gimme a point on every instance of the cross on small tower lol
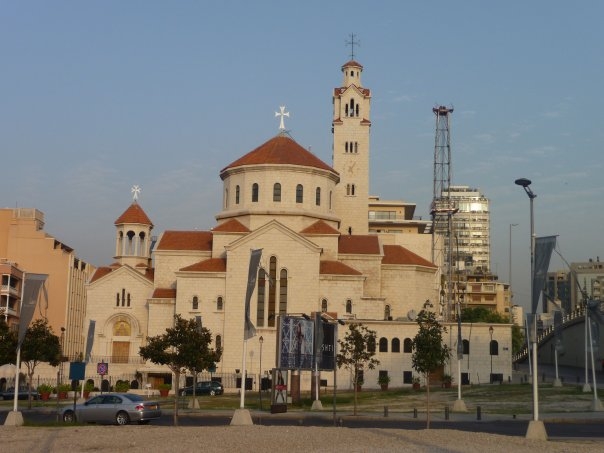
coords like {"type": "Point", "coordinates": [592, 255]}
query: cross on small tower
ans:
{"type": "Point", "coordinates": [136, 190]}
{"type": "Point", "coordinates": [282, 113]}
{"type": "Point", "coordinates": [352, 43]}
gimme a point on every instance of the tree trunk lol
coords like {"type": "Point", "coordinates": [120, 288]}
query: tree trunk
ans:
{"type": "Point", "coordinates": [175, 387]}
{"type": "Point", "coordinates": [356, 380]}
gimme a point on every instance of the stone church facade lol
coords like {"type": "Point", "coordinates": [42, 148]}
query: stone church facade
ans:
{"type": "Point", "coordinates": [311, 221]}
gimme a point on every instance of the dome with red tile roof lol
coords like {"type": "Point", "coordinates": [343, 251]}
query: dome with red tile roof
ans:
{"type": "Point", "coordinates": [134, 214]}
{"type": "Point", "coordinates": [279, 150]}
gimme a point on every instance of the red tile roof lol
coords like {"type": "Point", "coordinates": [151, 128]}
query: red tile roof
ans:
{"type": "Point", "coordinates": [210, 265]}
{"type": "Point", "coordinates": [319, 227]}
{"type": "Point", "coordinates": [396, 254]}
{"type": "Point", "coordinates": [134, 214]}
{"type": "Point", "coordinates": [100, 273]}
{"type": "Point", "coordinates": [280, 150]}
{"type": "Point", "coordinates": [359, 244]}
{"type": "Point", "coordinates": [164, 293]}
{"type": "Point", "coordinates": [232, 226]}
{"type": "Point", "coordinates": [352, 63]}
{"type": "Point", "coordinates": [185, 240]}
{"type": "Point", "coordinates": [337, 268]}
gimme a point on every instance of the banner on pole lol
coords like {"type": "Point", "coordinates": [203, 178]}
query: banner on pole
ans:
{"type": "Point", "coordinates": [89, 340]}
{"type": "Point", "coordinates": [544, 246]}
{"type": "Point", "coordinates": [32, 283]}
{"type": "Point", "coordinates": [249, 329]}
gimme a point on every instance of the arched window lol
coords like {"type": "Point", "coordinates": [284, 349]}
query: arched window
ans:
{"type": "Point", "coordinates": [142, 248]}
{"type": "Point", "coordinates": [117, 299]}
{"type": "Point", "coordinates": [356, 113]}
{"type": "Point", "coordinates": [346, 146]}
{"type": "Point", "coordinates": [351, 110]}
{"type": "Point", "coordinates": [272, 296]}
{"type": "Point", "coordinates": [466, 346]}
{"type": "Point", "coordinates": [408, 346]}
{"type": "Point", "coordinates": [219, 303]}
{"type": "Point", "coordinates": [318, 196]}
{"type": "Point", "coordinates": [255, 193]}
{"type": "Point", "coordinates": [348, 306]}
{"type": "Point", "coordinates": [277, 192]}
{"type": "Point", "coordinates": [299, 193]}
{"type": "Point", "coordinates": [330, 200]}
{"type": "Point", "coordinates": [387, 316]}
{"type": "Point", "coordinates": [494, 347]}
{"type": "Point", "coordinates": [356, 147]}
{"type": "Point", "coordinates": [371, 344]}
{"type": "Point", "coordinates": [396, 345]}
{"type": "Point", "coordinates": [324, 306]}
{"type": "Point", "coordinates": [347, 189]}
{"type": "Point", "coordinates": [237, 193]}
{"type": "Point", "coordinates": [195, 304]}
{"type": "Point", "coordinates": [352, 189]}
{"type": "Point", "coordinates": [383, 344]}
{"type": "Point", "coordinates": [283, 281]}
{"type": "Point", "coordinates": [260, 308]}
{"type": "Point", "coordinates": [130, 243]}
{"type": "Point", "coordinates": [218, 342]}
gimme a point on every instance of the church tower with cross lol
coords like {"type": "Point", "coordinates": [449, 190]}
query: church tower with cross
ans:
{"type": "Point", "coordinates": [350, 127]}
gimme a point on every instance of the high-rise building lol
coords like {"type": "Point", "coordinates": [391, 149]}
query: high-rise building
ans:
{"type": "Point", "coordinates": [471, 236]}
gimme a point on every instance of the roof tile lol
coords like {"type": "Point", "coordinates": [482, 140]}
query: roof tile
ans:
{"type": "Point", "coordinates": [336, 268]}
{"type": "Point", "coordinates": [185, 240]}
{"type": "Point", "coordinates": [319, 227]}
{"type": "Point", "coordinates": [359, 244]}
{"type": "Point", "coordinates": [210, 265]}
{"type": "Point", "coordinates": [164, 293]}
{"type": "Point", "coordinates": [396, 254]}
{"type": "Point", "coordinates": [232, 226]}
{"type": "Point", "coordinates": [281, 150]}
{"type": "Point", "coordinates": [134, 214]}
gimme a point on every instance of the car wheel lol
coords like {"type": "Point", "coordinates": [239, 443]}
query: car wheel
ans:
{"type": "Point", "coordinates": [122, 418]}
{"type": "Point", "coordinates": [68, 417]}
{"type": "Point", "coordinates": [212, 392]}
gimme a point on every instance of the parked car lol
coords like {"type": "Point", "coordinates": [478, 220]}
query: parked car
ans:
{"type": "Point", "coordinates": [119, 408]}
{"type": "Point", "coordinates": [9, 393]}
{"type": "Point", "coordinates": [204, 388]}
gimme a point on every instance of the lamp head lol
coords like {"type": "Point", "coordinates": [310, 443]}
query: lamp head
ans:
{"type": "Point", "coordinates": [523, 182]}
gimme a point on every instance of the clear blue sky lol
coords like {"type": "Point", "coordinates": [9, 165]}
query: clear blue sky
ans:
{"type": "Point", "coordinates": [99, 96]}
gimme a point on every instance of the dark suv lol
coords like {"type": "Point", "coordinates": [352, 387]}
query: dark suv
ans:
{"type": "Point", "coordinates": [204, 388]}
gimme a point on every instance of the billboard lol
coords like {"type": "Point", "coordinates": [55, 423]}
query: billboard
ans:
{"type": "Point", "coordinates": [296, 336]}
{"type": "Point", "coordinates": [326, 337]}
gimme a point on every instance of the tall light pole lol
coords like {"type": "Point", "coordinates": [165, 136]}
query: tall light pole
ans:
{"type": "Point", "coordinates": [260, 340]}
{"type": "Point", "coordinates": [510, 265]}
{"type": "Point", "coordinates": [536, 428]}
{"type": "Point", "coordinates": [491, 352]}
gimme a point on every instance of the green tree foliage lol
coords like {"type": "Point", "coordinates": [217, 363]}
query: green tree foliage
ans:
{"type": "Point", "coordinates": [186, 346]}
{"type": "Point", "coordinates": [429, 351]}
{"type": "Point", "coordinates": [518, 340]}
{"type": "Point", "coordinates": [356, 354]}
{"type": "Point", "coordinates": [8, 344]}
{"type": "Point", "coordinates": [481, 314]}
{"type": "Point", "coordinates": [40, 344]}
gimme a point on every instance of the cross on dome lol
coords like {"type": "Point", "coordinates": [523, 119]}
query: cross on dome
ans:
{"type": "Point", "coordinates": [282, 113]}
{"type": "Point", "coordinates": [136, 190]}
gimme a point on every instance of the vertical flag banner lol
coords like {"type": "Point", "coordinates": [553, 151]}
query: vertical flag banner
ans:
{"type": "Point", "coordinates": [89, 340]}
{"type": "Point", "coordinates": [250, 330]}
{"type": "Point", "coordinates": [544, 246]}
{"type": "Point", "coordinates": [32, 284]}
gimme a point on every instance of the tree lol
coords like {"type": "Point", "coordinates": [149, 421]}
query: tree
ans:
{"type": "Point", "coordinates": [8, 344]}
{"type": "Point", "coordinates": [356, 354]}
{"type": "Point", "coordinates": [39, 345]}
{"type": "Point", "coordinates": [429, 351]}
{"type": "Point", "coordinates": [481, 314]}
{"type": "Point", "coordinates": [186, 346]}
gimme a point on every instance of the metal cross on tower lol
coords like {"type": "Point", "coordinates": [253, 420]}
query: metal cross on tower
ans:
{"type": "Point", "coordinates": [352, 43]}
{"type": "Point", "coordinates": [282, 113]}
{"type": "Point", "coordinates": [136, 190]}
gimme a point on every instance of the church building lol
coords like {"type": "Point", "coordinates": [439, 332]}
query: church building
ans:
{"type": "Point", "coordinates": [310, 219]}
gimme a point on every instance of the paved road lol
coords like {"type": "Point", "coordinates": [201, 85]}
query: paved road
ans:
{"type": "Point", "coordinates": [577, 425]}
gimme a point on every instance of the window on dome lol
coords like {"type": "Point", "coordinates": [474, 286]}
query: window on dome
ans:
{"type": "Point", "coordinates": [318, 196]}
{"type": "Point", "coordinates": [277, 192]}
{"type": "Point", "coordinates": [299, 193]}
{"type": "Point", "coordinates": [219, 304]}
{"type": "Point", "coordinates": [195, 304]}
{"type": "Point", "coordinates": [237, 193]}
{"type": "Point", "coordinates": [255, 193]}
{"type": "Point", "coordinates": [349, 306]}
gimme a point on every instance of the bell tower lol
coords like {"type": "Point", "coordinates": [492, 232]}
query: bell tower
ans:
{"type": "Point", "coordinates": [133, 240]}
{"type": "Point", "coordinates": [350, 127]}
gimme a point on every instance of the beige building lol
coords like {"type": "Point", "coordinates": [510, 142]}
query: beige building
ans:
{"type": "Point", "coordinates": [311, 221]}
{"type": "Point", "coordinates": [10, 293]}
{"type": "Point", "coordinates": [24, 242]}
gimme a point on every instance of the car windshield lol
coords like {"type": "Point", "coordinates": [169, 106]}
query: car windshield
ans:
{"type": "Point", "coordinates": [133, 397]}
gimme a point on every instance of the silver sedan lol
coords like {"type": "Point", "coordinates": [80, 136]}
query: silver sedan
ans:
{"type": "Point", "coordinates": [119, 408]}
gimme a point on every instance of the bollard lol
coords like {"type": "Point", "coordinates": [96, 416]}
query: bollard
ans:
{"type": "Point", "coordinates": [415, 412]}
{"type": "Point", "coordinates": [446, 412]}
{"type": "Point", "coordinates": [385, 411]}
{"type": "Point", "coordinates": [478, 414]}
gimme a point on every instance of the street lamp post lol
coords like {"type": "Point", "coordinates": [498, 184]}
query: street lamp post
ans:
{"type": "Point", "coordinates": [536, 429]}
{"type": "Point", "coordinates": [510, 265]}
{"type": "Point", "coordinates": [260, 340]}
{"type": "Point", "coordinates": [491, 352]}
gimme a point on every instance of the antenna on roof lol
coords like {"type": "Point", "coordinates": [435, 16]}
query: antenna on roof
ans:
{"type": "Point", "coordinates": [352, 43]}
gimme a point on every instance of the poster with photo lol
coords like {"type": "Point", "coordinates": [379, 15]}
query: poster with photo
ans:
{"type": "Point", "coordinates": [296, 346]}
{"type": "Point", "coordinates": [280, 386]}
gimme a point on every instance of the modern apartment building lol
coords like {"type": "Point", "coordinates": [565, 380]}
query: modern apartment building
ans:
{"type": "Point", "coordinates": [23, 241]}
